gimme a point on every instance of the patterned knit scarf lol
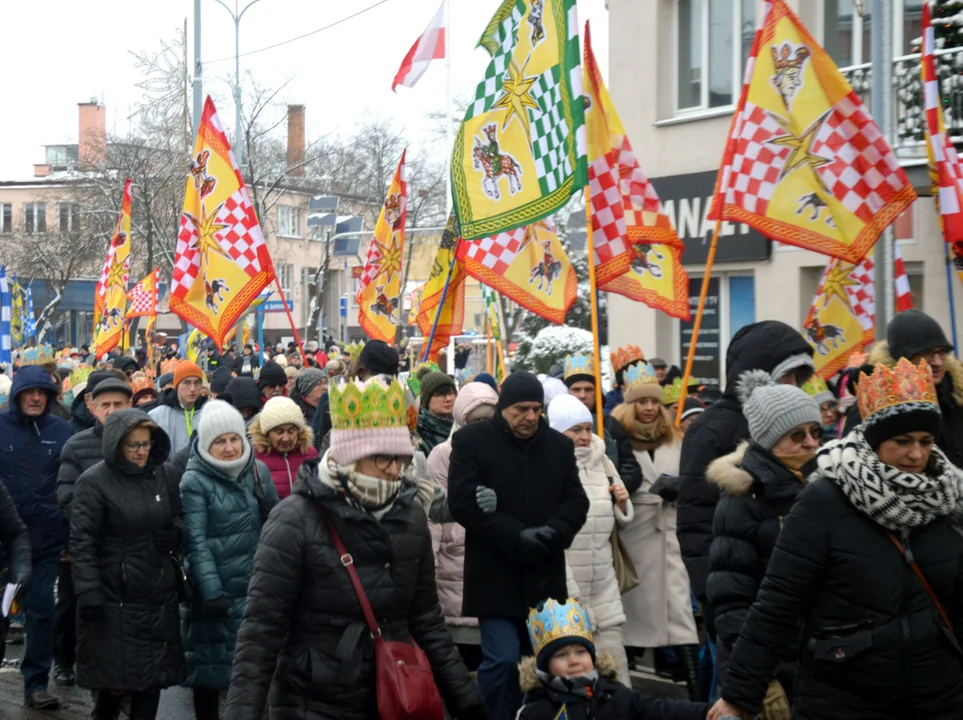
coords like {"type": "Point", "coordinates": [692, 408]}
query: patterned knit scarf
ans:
{"type": "Point", "coordinates": [897, 500]}
{"type": "Point", "coordinates": [433, 430]}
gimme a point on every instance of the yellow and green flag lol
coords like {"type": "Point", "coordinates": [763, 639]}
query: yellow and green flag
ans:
{"type": "Point", "coordinates": [451, 312]}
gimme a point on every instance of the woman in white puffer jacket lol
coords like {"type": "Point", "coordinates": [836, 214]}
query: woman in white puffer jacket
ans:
{"type": "Point", "coordinates": [591, 569]}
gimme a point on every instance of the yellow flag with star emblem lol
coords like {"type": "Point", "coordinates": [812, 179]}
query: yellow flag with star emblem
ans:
{"type": "Point", "coordinates": [222, 262]}
{"type": "Point", "coordinates": [110, 299]}
{"type": "Point", "coordinates": [380, 288]}
{"type": "Point", "coordinates": [805, 163]}
{"type": "Point", "coordinates": [520, 152]}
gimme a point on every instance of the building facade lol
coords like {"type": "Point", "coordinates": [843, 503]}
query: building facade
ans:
{"type": "Point", "coordinates": [676, 70]}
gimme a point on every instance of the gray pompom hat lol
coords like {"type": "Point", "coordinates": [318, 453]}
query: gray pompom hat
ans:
{"type": "Point", "coordinates": [773, 410]}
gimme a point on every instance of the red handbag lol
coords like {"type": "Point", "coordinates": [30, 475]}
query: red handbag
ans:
{"type": "Point", "coordinates": [405, 684]}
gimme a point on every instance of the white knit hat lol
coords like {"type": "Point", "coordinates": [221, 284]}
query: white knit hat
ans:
{"type": "Point", "coordinates": [567, 411]}
{"type": "Point", "coordinates": [279, 411]}
{"type": "Point", "coordinates": [773, 410]}
{"type": "Point", "coordinates": [220, 418]}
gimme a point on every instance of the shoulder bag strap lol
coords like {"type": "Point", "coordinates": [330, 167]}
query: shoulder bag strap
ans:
{"type": "Point", "coordinates": [922, 579]}
{"type": "Point", "coordinates": [348, 562]}
{"type": "Point", "coordinates": [258, 490]}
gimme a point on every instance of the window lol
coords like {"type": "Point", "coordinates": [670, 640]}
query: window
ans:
{"type": "Point", "coordinates": [35, 217]}
{"type": "Point", "coordinates": [6, 218]}
{"type": "Point", "coordinates": [69, 217]}
{"type": "Point", "coordinates": [711, 52]}
{"type": "Point", "coordinates": [286, 276]}
{"type": "Point", "coordinates": [289, 221]}
{"type": "Point", "coordinates": [847, 35]}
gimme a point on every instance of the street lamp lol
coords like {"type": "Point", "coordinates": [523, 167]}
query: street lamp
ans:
{"type": "Point", "coordinates": [236, 17]}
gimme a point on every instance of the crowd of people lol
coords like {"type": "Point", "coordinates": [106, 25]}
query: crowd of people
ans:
{"type": "Point", "coordinates": [267, 528]}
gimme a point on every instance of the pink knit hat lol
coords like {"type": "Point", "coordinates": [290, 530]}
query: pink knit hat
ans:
{"type": "Point", "coordinates": [368, 418]}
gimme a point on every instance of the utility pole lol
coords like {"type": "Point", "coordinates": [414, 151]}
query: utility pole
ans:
{"type": "Point", "coordinates": [198, 69]}
{"type": "Point", "coordinates": [881, 103]}
{"type": "Point", "coordinates": [238, 127]}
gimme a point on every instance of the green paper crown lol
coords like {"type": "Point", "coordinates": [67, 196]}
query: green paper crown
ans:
{"type": "Point", "coordinates": [671, 394]}
{"type": "Point", "coordinates": [353, 349]}
{"type": "Point", "coordinates": [815, 385]}
{"type": "Point", "coordinates": [367, 405]}
{"type": "Point", "coordinates": [81, 374]}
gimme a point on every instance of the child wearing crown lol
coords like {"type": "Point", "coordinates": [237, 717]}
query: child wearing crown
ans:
{"type": "Point", "coordinates": [567, 678]}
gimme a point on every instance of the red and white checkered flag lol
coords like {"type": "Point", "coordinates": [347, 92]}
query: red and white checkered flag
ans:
{"type": "Point", "coordinates": [143, 296]}
{"type": "Point", "coordinates": [904, 297]}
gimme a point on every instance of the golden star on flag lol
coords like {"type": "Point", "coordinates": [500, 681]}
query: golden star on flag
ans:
{"type": "Point", "coordinates": [389, 262]}
{"type": "Point", "coordinates": [801, 146]}
{"type": "Point", "coordinates": [517, 97]}
{"type": "Point", "coordinates": [837, 280]}
{"type": "Point", "coordinates": [115, 277]}
{"type": "Point", "coordinates": [206, 241]}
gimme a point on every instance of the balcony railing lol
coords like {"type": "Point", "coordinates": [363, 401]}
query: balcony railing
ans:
{"type": "Point", "coordinates": [909, 113]}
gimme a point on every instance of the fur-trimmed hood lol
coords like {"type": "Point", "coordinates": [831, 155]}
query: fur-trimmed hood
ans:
{"type": "Point", "coordinates": [726, 473]}
{"type": "Point", "coordinates": [260, 441]}
{"type": "Point", "coordinates": [954, 368]}
{"type": "Point", "coordinates": [607, 666]}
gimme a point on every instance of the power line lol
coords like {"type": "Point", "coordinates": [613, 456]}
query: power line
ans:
{"type": "Point", "coordinates": [299, 37]}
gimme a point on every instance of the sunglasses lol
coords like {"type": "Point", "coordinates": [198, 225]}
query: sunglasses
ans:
{"type": "Point", "coordinates": [799, 436]}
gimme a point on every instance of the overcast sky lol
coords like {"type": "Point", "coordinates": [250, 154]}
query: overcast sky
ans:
{"type": "Point", "coordinates": [56, 53]}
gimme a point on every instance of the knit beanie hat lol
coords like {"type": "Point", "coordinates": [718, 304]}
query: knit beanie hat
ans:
{"type": "Point", "coordinates": [220, 378]}
{"type": "Point", "coordinates": [773, 410]}
{"type": "Point", "coordinates": [553, 625]}
{"type": "Point", "coordinates": [220, 418]}
{"type": "Point", "coordinates": [271, 374]}
{"type": "Point", "coordinates": [898, 401]}
{"type": "Point", "coordinates": [912, 332]}
{"type": "Point", "coordinates": [186, 369]}
{"type": "Point", "coordinates": [802, 364]}
{"type": "Point", "coordinates": [379, 358]}
{"type": "Point", "coordinates": [488, 380]}
{"type": "Point", "coordinates": [432, 382]}
{"type": "Point", "coordinates": [368, 418]}
{"type": "Point", "coordinates": [281, 360]}
{"type": "Point", "coordinates": [567, 411]}
{"type": "Point", "coordinates": [692, 406]}
{"type": "Point", "coordinates": [308, 379]}
{"type": "Point", "coordinates": [279, 411]}
{"type": "Point", "coordinates": [290, 372]}
{"type": "Point", "coordinates": [640, 382]}
{"type": "Point", "coordinates": [521, 386]}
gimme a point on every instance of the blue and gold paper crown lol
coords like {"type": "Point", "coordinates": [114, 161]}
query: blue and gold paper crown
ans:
{"type": "Point", "coordinates": [367, 405]}
{"type": "Point", "coordinates": [38, 355]}
{"type": "Point", "coordinates": [551, 621]}
{"type": "Point", "coordinates": [579, 364]}
{"type": "Point", "coordinates": [639, 374]}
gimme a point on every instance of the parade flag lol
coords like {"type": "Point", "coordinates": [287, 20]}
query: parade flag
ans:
{"type": "Point", "coordinates": [842, 318]}
{"type": "Point", "coordinates": [194, 345]}
{"type": "Point", "coordinates": [380, 285]}
{"type": "Point", "coordinates": [247, 330]}
{"type": "Point", "coordinates": [638, 253]}
{"type": "Point", "coordinates": [143, 296]}
{"type": "Point", "coordinates": [110, 300]}
{"type": "Point", "coordinates": [430, 46]}
{"type": "Point", "coordinates": [904, 297]}
{"type": "Point", "coordinates": [946, 173]}
{"type": "Point", "coordinates": [495, 330]}
{"type": "Point", "coordinates": [17, 312]}
{"type": "Point", "coordinates": [6, 344]}
{"type": "Point", "coordinates": [451, 315]}
{"type": "Point", "coordinates": [222, 262]}
{"type": "Point", "coordinates": [520, 151]}
{"type": "Point", "coordinates": [805, 163]}
{"type": "Point", "coordinates": [528, 265]}
{"type": "Point", "coordinates": [414, 304]}
{"type": "Point", "coordinates": [29, 319]}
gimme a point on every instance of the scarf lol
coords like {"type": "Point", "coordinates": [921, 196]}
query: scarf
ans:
{"type": "Point", "coordinates": [648, 436]}
{"type": "Point", "coordinates": [231, 468]}
{"type": "Point", "coordinates": [794, 462]}
{"type": "Point", "coordinates": [370, 494]}
{"type": "Point", "coordinates": [433, 430]}
{"type": "Point", "coordinates": [896, 500]}
{"type": "Point", "coordinates": [582, 687]}
{"type": "Point", "coordinates": [594, 455]}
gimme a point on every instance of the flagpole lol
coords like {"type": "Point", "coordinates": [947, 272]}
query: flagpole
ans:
{"type": "Point", "coordinates": [448, 136]}
{"type": "Point", "coordinates": [593, 293]}
{"type": "Point", "coordinates": [287, 311]}
{"type": "Point", "coordinates": [949, 290]}
{"type": "Point", "coordinates": [488, 344]}
{"type": "Point", "coordinates": [696, 326]}
{"type": "Point", "coordinates": [441, 303]}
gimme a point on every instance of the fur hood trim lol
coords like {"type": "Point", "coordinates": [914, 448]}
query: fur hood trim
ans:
{"type": "Point", "coordinates": [260, 441]}
{"type": "Point", "coordinates": [727, 474]}
{"type": "Point", "coordinates": [954, 368]}
{"type": "Point", "coordinates": [607, 666]}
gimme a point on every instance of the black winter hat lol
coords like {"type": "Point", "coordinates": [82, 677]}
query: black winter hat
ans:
{"type": "Point", "coordinates": [521, 386]}
{"type": "Point", "coordinates": [271, 374]}
{"type": "Point", "coordinates": [912, 332]}
{"type": "Point", "coordinates": [126, 363]}
{"type": "Point", "coordinates": [379, 358]}
{"type": "Point", "coordinates": [243, 392]}
{"type": "Point", "coordinates": [220, 378]}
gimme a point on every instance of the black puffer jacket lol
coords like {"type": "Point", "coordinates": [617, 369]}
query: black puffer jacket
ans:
{"type": "Point", "coordinates": [80, 417]}
{"type": "Point", "coordinates": [717, 432]}
{"type": "Point", "coordinates": [303, 633]}
{"type": "Point", "coordinates": [117, 508]}
{"type": "Point", "coordinates": [757, 492]}
{"type": "Point", "coordinates": [626, 463]}
{"type": "Point", "coordinates": [873, 645]}
{"type": "Point", "coordinates": [82, 452]}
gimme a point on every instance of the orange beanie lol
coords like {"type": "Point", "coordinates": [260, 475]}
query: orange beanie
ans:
{"type": "Point", "coordinates": [186, 369]}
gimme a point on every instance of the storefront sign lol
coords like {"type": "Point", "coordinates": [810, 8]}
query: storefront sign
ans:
{"type": "Point", "coordinates": [706, 367]}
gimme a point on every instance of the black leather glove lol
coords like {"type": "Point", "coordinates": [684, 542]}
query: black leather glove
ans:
{"type": "Point", "coordinates": [218, 607]}
{"type": "Point", "coordinates": [538, 540]}
{"type": "Point", "coordinates": [666, 487]}
{"type": "Point", "coordinates": [91, 613]}
{"type": "Point", "coordinates": [168, 539]}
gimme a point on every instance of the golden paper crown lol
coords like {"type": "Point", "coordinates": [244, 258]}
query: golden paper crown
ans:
{"type": "Point", "coordinates": [579, 364]}
{"type": "Point", "coordinates": [80, 374]}
{"type": "Point", "coordinates": [367, 405]}
{"type": "Point", "coordinates": [783, 59]}
{"type": "Point", "coordinates": [551, 621]}
{"type": "Point", "coordinates": [39, 355]}
{"type": "Point", "coordinates": [671, 394]}
{"type": "Point", "coordinates": [888, 388]}
{"type": "Point", "coordinates": [626, 355]}
{"type": "Point", "coordinates": [168, 366]}
{"type": "Point", "coordinates": [141, 383]}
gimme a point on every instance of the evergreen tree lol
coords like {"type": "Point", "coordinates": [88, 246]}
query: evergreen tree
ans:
{"type": "Point", "coordinates": [948, 23]}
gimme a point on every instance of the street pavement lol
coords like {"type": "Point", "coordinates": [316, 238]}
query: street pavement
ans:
{"type": "Point", "coordinates": [176, 702]}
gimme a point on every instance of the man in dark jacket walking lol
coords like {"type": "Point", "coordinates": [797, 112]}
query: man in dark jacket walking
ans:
{"type": "Point", "coordinates": [29, 458]}
{"type": "Point", "coordinates": [81, 452]}
{"type": "Point", "coordinates": [782, 352]}
{"type": "Point", "coordinates": [514, 555]}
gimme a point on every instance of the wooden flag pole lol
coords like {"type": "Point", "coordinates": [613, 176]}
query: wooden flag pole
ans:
{"type": "Point", "coordinates": [488, 343]}
{"type": "Point", "coordinates": [593, 291]}
{"type": "Point", "coordinates": [287, 311]}
{"type": "Point", "coordinates": [697, 325]}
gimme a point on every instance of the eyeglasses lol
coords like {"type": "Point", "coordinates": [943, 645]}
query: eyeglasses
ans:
{"type": "Point", "coordinates": [445, 392]}
{"type": "Point", "coordinates": [138, 446]}
{"type": "Point", "coordinates": [799, 436]}
{"type": "Point", "coordinates": [931, 355]}
{"type": "Point", "coordinates": [383, 462]}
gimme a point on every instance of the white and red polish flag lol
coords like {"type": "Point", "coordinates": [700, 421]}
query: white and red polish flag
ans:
{"type": "Point", "coordinates": [430, 46]}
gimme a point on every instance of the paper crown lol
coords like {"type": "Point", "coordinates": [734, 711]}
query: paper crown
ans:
{"type": "Point", "coordinates": [367, 405]}
{"type": "Point", "coordinates": [889, 388]}
{"type": "Point", "coordinates": [639, 374]}
{"type": "Point", "coordinates": [625, 356]}
{"type": "Point", "coordinates": [671, 394]}
{"type": "Point", "coordinates": [551, 621]}
{"type": "Point", "coordinates": [414, 381]}
{"type": "Point", "coordinates": [80, 374]}
{"type": "Point", "coordinates": [36, 355]}
{"type": "Point", "coordinates": [353, 349]}
{"type": "Point", "coordinates": [141, 383]}
{"type": "Point", "coordinates": [579, 364]}
{"type": "Point", "coordinates": [168, 366]}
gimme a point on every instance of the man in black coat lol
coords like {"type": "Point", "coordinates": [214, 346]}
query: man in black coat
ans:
{"type": "Point", "coordinates": [80, 453]}
{"type": "Point", "coordinates": [772, 346]}
{"type": "Point", "coordinates": [514, 556]}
